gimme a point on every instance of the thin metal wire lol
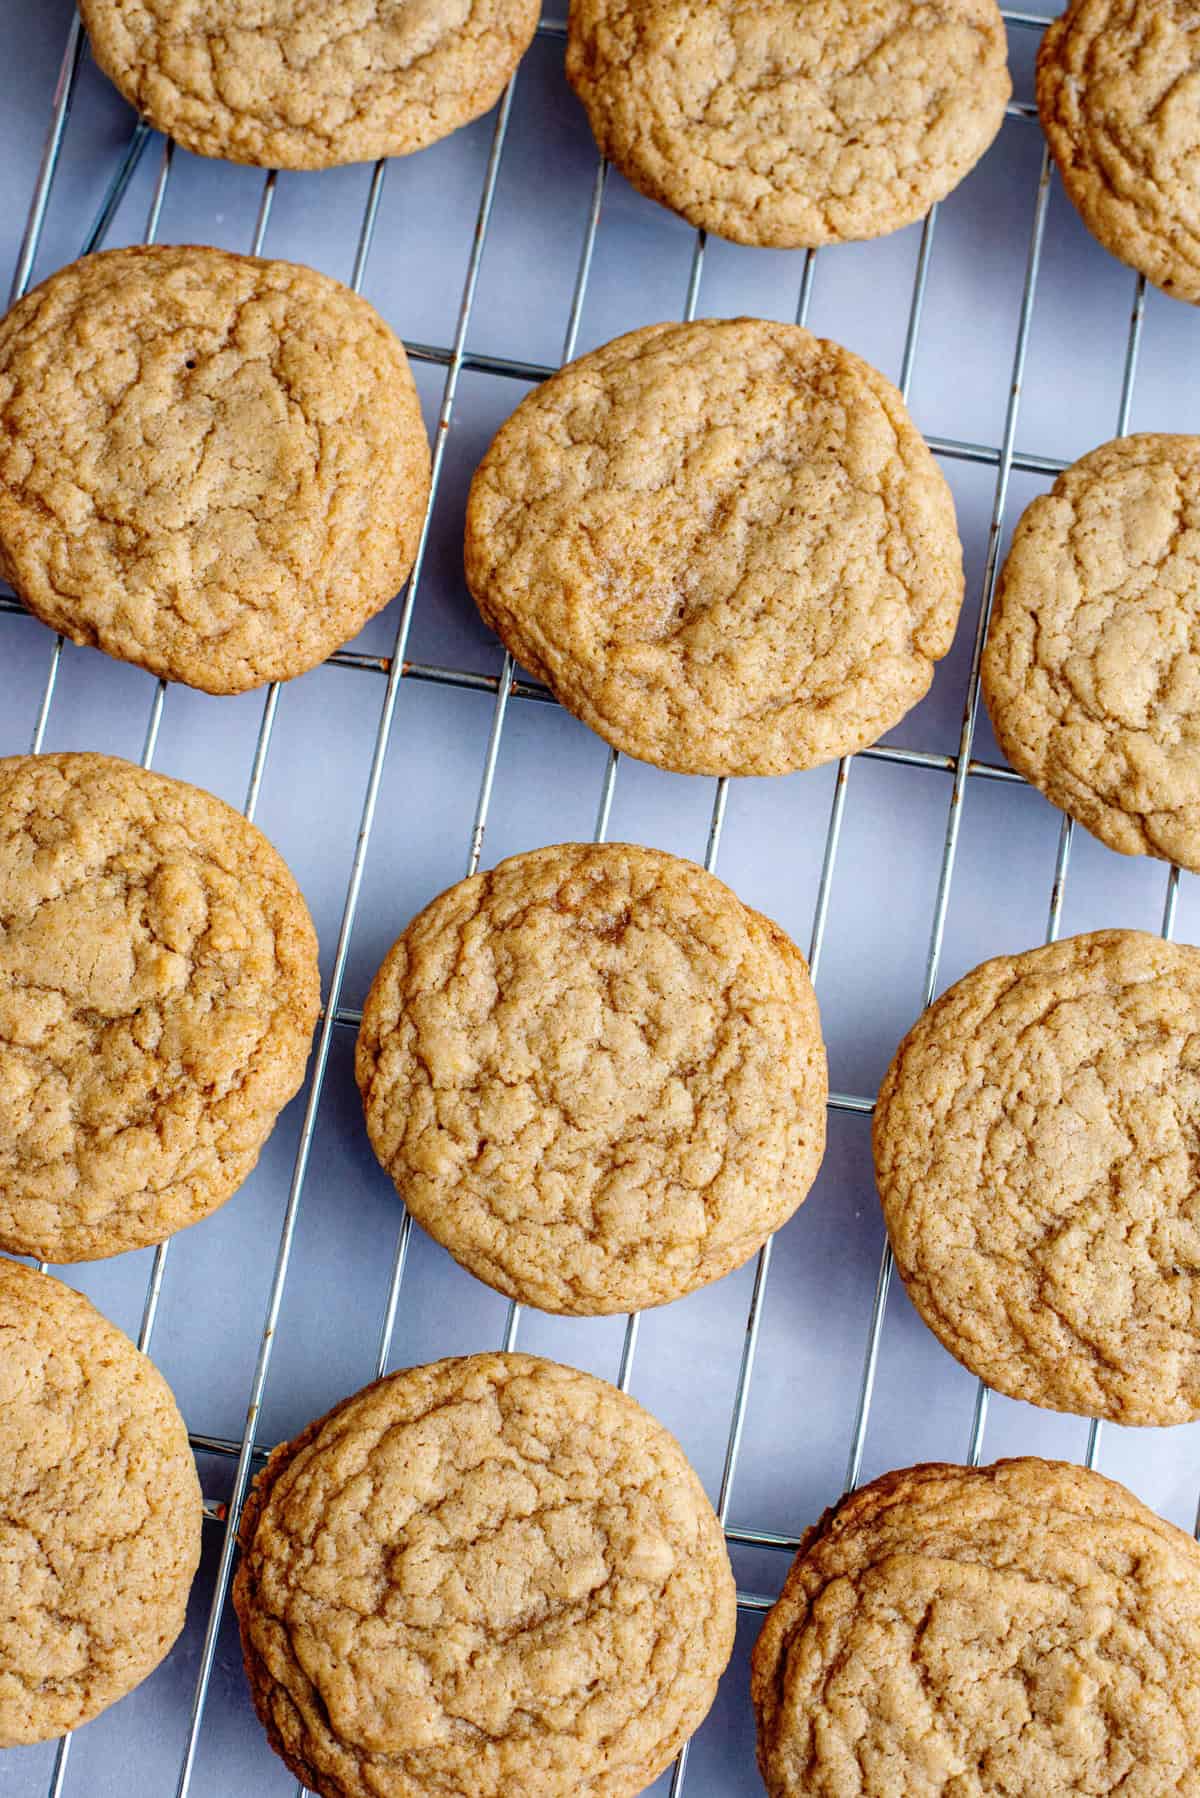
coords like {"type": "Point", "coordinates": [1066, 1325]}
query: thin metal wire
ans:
{"type": "Point", "coordinates": [1032, 21]}
{"type": "Point", "coordinates": [349, 913]}
{"type": "Point", "coordinates": [154, 725]}
{"type": "Point", "coordinates": [505, 685]}
{"type": "Point", "coordinates": [962, 764]}
{"type": "Point", "coordinates": [158, 198]}
{"type": "Point", "coordinates": [118, 185]}
{"type": "Point", "coordinates": [271, 702]}
{"type": "Point", "coordinates": [762, 1267]}
{"type": "Point", "coordinates": [1170, 901]}
{"type": "Point", "coordinates": [156, 204]}
{"type": "Point", "coordinates": [956, 449]}
{"type": "Point", "coordinates": [833, 834]}
{"type": "Point", "coordinates": [469, 680]}
{"type": "Point", "coordinates": [60, 111]}
{"type": "Point", "coordinates": [1062, 860]}
{"type": "Point", "coordinates": [971, 707]}
{"type": "Point", "coordinates": [1058, 887]}
{"type": "Point", "coordinates": [34, 224]}
{"type": "Point", "coordinates": [512, 1319]}
{"type": "Point", "coordinates": [1171, 894]}
{"type": "Point", "coordinates": [43, 715]}
{"type": "Point", "coordinates": [633, 1323]}
{"type": "Point", "coordinates": [487, 782]}
{"type": "Point", "coordinates": [607, 790]}
{"type": "Point", "coordinates": [504, 692]}
{"type": "Point", "coordinates": [153, 1294]}
{"type": "Point", "coordinates": [150, 743]}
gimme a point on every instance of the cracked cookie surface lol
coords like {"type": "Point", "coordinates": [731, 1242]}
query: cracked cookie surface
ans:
{"type": "Point", "coordinates": [100, 1532]}
{"type": "Point", "coordinates": [211, 465]}
{"type": "Point", "coordinates": [595, 1076]}
{"type": "Point", "coordinates": [483, 1577]}
{"type": "Point", "coordinates": [158, 992]}
{"type": "Point", "coordinates": [1092, 666]}
{"type": "Point", "coordinates": [1036, 1145]}
{"type": "Point", "coordinates": [1118, 91]}
{"type": "Point", "coordinates": [791, 122]}
{"type": "Point", "coordinates": [1026, 1627]}
{"type": "Point", "coordinates": [312, 85]}
{"type": "Point", "coordinates": [724, 545]}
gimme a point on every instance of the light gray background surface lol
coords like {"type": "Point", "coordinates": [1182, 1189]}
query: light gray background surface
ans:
{"type": "Point", "coordinates": [548, 779]}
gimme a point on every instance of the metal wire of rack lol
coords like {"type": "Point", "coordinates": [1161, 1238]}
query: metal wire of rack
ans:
{"type": "Point", "coordinates": [394, 669]}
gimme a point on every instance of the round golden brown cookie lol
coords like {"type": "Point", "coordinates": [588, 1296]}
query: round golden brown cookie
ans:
{"type": "Point", "coordinates": [724, 545]}
{"type": "Point", "coordinates": [1118, 90]}
{"type": "Point", "coordinates": [1092, 666]}
{"type": "Point", "coordinates": [1036, 1145]}
{"type": "Point", "coordinates": [307, 84]}
{"type": "Point", "coordinates": [484, 1577]}
{"type": "Point", "coordinates": [595, 1076]}
{"type": "Point", "coordinates": [791, 122]}
{"type": "Point", "coordinates": [158, 991]}
{"type": "Point", "coordinates": [210, 465]}
{"type": "Point", "coordinates": [1023, 1628]}
{"type": "Point", "coordinates": [100, 1533]}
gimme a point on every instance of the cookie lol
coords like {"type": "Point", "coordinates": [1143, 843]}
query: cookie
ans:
{"type": "Point", "coordinates": [791, 123]}
{"type": "Point", "coordinates": [100, 1534]}
{"type": "Point", "coordinates": [1036, 1144]}
{"type": "Point", "coordinates": [1092, 667]}
{"type": "Point", "coordinates": [310, 85]}
{"type": "Point", "coordinates": [210, 465]}
{"type": "Point", "coordinates": [486, 1577]}
{"type": "Point", "coordinates": [1116, 90]}
{"type": "Point", "coordinates": [158, 992]}
{"type": "Point", "coordinates": [724, 545]}
{"type": "Point", "coordinates": [595, 1076]}
{"type": "Point", "coordinates": [1023, 1628]}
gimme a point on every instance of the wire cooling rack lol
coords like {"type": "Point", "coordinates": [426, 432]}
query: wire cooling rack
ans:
{"type": "Point", "coordinates": [497, 255]}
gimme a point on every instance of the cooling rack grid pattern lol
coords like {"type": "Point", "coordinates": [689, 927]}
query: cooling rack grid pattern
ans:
{"type": "Point", "coordinates": [420, 751]}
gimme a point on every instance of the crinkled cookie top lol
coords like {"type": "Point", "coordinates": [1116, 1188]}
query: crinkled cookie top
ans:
{"type": "Point", "coordinates": [595, 1076]}
{"type": "Point", "coordinates": [723, 544]}
{"type": "Point", "coordinates": [307, 85]}
{"type": "Point", "coordinates": [1037, 1140]}
{"type": "Point", "coordinates": [1092, 666]}
{"type": "Point", "coordinates": [484, 1577]}
{"type": "Point", "coordinates": [1022, 1628]}
{"type": "Point", "coordinates": [158, 992]}
{"type": "Point", "coordinates": [211, 465]}
{"type": "Point", "coordinates": [1118, 90]}
{"type": "Point", "coordinates": [99, 1511]}
{"type": "Point", "coordinates": [792, 122]}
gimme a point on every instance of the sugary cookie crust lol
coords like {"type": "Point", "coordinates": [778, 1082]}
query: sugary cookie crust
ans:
{"type": "Point", "coordinates": [211, 465]}
{"type": "Point", "coordinates": [791, 124]}
{"type": "Point", "coordinates": [1036, 1144]}
{"type": "Point", "coordinates": [308, 87]}
{"type": "Point", "coordinates": [158, 992]}
{"type": "Point", "coordinates": [484, 1577]}
{"type": "Point", "coordinates": [1118, 90]}
{"type": "Point", "coordinates": [100, 1532]}
{"type": "Point", "coordinates": [595, 1076]}
{"type": "Point", "coordinates": [1022, 1628]}
{"type": "Point", "coordinates": [1092, 666]}
{"type": "Point", "coordinates": [723, 544]}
